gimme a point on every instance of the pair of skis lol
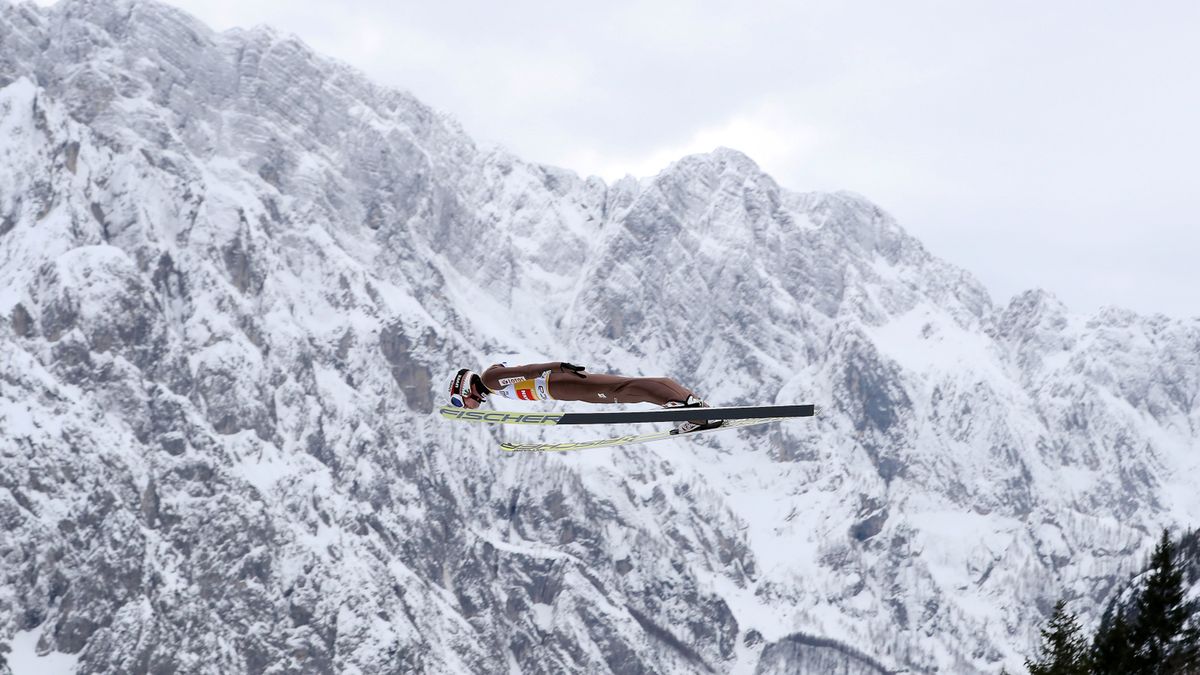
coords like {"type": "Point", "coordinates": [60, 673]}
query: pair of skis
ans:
{"type": "Point", "coordinates": [734, 418]}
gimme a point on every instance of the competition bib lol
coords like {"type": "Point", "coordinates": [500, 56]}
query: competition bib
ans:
{"type": "Point", "coordinates": [524, 389]}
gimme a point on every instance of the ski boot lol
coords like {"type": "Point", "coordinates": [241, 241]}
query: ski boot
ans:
{"type": "Point", "coordinates": [687, 427]}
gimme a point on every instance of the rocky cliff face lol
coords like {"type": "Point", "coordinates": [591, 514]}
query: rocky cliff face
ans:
{"type": "Point", "coordinates": [235, 277]}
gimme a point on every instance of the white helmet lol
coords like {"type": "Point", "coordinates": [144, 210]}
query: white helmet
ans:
{"type": "Point", "coordinates": [466, 384]}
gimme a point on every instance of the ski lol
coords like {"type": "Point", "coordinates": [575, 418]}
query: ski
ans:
{"type": "Point", "coordinates": [632, 439]}
{"type": "Point", "coordinates": [627, 416]}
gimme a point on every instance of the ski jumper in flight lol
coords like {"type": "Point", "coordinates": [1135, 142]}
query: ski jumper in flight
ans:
{"type": "Point", "coordinates": [561, 381]}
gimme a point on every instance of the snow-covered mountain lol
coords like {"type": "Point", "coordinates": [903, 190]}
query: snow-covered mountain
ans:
{"type": "Point", "coordinates": [236, 276]}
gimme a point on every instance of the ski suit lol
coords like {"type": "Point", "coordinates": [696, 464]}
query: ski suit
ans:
{"type": "Point", "coordinates": [551, 382]}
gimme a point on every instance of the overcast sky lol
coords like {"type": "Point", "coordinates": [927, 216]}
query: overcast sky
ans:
{"type": "Point", "coordinates": [1036, 144]}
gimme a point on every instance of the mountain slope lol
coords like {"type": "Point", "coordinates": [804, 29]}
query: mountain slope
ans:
{"type": "Point", "coordinates": [236, 275]}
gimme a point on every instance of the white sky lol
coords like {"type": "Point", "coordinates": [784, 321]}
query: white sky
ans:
{"type": "Point", "coordinates": [1036, 144]}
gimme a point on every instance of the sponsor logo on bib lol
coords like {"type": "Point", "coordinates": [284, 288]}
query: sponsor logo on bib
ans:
{"type": "Point", "coordinates": [524, 391]}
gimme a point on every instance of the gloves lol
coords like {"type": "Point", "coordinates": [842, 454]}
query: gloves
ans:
{"type": "Point", "coordinates": [572, 368]}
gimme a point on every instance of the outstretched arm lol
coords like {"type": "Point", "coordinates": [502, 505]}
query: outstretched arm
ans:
{"type": "Point", "coordinates": [497, 376]}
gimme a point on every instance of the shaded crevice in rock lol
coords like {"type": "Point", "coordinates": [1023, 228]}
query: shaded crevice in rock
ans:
{"type": "Point", "coordinates": [233, 404]}
{"type": "Point", "coordinates": [667, 638]}
{"type": "Point", "coordinates": [411, 374]}
{"type": "Point", "coordinates": [168, 280]}
{"type": "Point", "coordinates": [239, 259]}
{"type": "Point", "coordinates": [98, 214]}
{"type": "Point", "coordinates": [23, 325]}
{"type": "Point", "coordinates": [870, 393]}
{"type": "Point", "coordinates": [58, 316]}
{"type": "Point", "coordinates": [869, 526]}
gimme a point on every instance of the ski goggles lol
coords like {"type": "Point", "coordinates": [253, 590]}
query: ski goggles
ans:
{"type": "Point", "coordinates": [460, 401]}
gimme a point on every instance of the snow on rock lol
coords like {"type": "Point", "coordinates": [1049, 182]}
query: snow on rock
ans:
{"type": "Point", "coordinates": [24, 658]}
{"type": "Point", "coordinates": [235, 278]}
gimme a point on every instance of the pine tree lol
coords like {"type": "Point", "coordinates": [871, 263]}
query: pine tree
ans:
{"type": "Point", "coordinates": [1189, 645]}
{"type": "Point", "coordinates": [1063, 650]}
{"type": "Point", "coordinates": [1112, 647]}
{"type": "Point", "coordinates": [1159, 637]}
